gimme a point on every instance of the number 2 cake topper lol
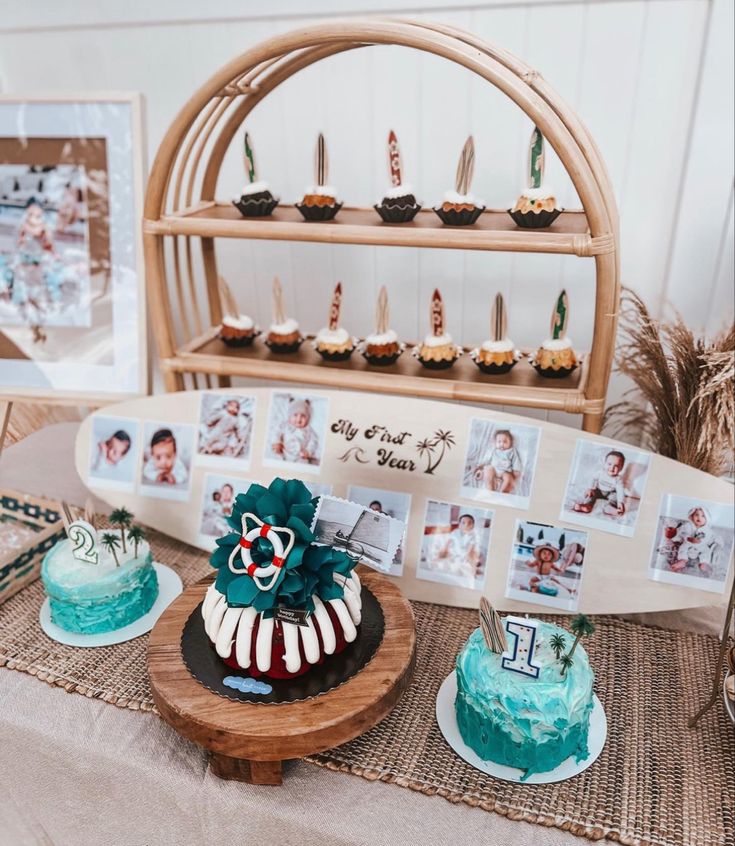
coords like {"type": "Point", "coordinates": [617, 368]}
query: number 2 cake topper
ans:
{"type": "Point", "coordinates": [82, 533]}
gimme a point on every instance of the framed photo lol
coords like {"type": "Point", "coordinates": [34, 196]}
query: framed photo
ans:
{"type": "Point", "coordinates": [225, 430]}
{"type": "Point", "coordinates": [605, 487]}
{"type": "Point", "coordinates": [72, 303]}
{"type": "Point", "coordinates": [455, 544]}
{"type": "Point", "coordinates": [500, 462]}
{"type": "Point", "coordinates": [218, 497]}
{"type": "Point", "coordinates": [394, 504]}
{"type": "Point", "coordinates": [113, 452]}
{"type": "Point", "coordinates": [693, 543]}
{"type": "Point", "coordinates": [165, 468]}
{"type": "Point", "coordinates": [297, 425]}
{"type": "Point", "coordinates": [546, 565]}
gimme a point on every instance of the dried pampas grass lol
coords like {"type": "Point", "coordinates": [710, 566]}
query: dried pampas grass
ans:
{"type": "Point", "coordinates": [683, 404]}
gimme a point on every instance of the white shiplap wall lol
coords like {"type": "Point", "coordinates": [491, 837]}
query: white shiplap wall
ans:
{"type": "Point", "coordinates": [652, 79]}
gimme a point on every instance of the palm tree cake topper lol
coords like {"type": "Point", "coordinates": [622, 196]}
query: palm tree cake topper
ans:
{"type": "Point", "coordinates": [581, 626]}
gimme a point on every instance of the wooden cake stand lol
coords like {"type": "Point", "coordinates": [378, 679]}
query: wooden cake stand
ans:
{"type": "Point", "coordinates": [247, 741]}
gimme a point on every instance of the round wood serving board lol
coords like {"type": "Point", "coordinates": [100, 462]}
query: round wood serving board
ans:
{"type": "Point", "coordinates": [248, 741]}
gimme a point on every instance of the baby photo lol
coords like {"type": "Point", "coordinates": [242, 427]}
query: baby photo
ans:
{"type": "Point", "coordinates": [218, 497]}
{"type": "Point", "coordinates": [394, 504]}
{"type": "Point", "coordinates": [363, 532]}
{"type": "Point", "coordinates": [114, 446]}
{"type": "Point", "coordinates": [546, 565]}
{"type": "Point", "coordinates": [296, 428]}
{"type": "Point", "coordinates": [225, 430]}
{"type": "Point", "coordinates": [455, 544]}
{"type": "Point", "coordinates": [693, 543]}
{"type": "Point", "coordinates": [605, 487]}
{"type": "Point", "coordinates": [168, 449]}
{"type": "Point", "coordinates": [500, 462]}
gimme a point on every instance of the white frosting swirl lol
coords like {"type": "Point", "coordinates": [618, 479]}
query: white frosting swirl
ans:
{"type": "Point", "coordinates": [288, 326]}
{"type": "Point", "coordinates": [380, 338]}
{"type": "Point", "coordinates": [398, 191]}
{"type": "Point", "coordinates": [506, 345]}
{"type": "Point", "coordinates": [242, 322]}
{"type": "Point", "coordinates": [437, 340]}
{"type": "Point", "coordinates": [336, 336]}
{"type": "Point", "coordinates": [459, 199]}
{"type": "Point", "coordinates": [255, 187]}
{"type": "Point", "coordinates": [542, 193]}
{"type": "Point", "coordinates": [322, 190]}
{"type": "Point", "coordinates": [557, 344]}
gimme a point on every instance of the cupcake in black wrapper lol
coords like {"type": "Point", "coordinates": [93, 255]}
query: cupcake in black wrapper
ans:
{"type": "Point", "coordinates": [320, 202]}
{"type": "Point", "coordinates": [238, 331]}
{"type": "Point", "coordinates": [256, 200]}
{"type": "Point", "coordinates": [536, 208]}
{"type": "Point", "coordinates": [459, 207]}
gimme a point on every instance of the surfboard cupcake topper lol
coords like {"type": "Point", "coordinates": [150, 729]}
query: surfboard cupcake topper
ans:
{"type": "Point", "coordinates": [382, 312]}
{"type": "Point", "coordinates": [321, 162]}
{"type": "Point", "coordinates": [465, 167]}
{"type": "Point", "coordinates": [536, 159]}
{"type": "Point", "coordinates": [394, 159]}
{"type": "Point", "coordinates": [335, 307]}
{"type": "Point", "coordinates": [498, 319]}
{"type": "Point", "coordinates": [436, 314]}
{"type": "Point", "coordinates": [249, 159]}
{"type": "Point", "coordinates": [279, 309]}
{"type": "Point", "coordinates": [560, 317]}
{"type": "Point", "coordinates": [227, 300]}
{"type": "Point", "coordinates": [492, 627]}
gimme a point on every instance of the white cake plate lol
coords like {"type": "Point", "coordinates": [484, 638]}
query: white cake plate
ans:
{"type": "Point", "coordinates": [729, 704]}
{"type": "Point", "coordinates": [169, 587]}
{"type": "Point", "coordinates": [447, 719]}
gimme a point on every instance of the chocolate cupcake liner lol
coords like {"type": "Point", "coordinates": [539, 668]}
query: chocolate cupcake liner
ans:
{"type": "Point", "coordinates": [249, 207]}
{"type": "Point", "coordinates": [550, 373]}
{"type": "Point", "coordinates": [335, 356]}
{"type": "Point", "coordinates": [315, 213]}
{"type": "Point", "coordinates": [495, 369]}
{"type": "Point", "coordinates": [465, 217]}
{"type": "Point", "coordinates": [398, 214]}
{"type": "Point", "coordinates": [284, 349]}
{"type": "Point", "coordinates": [430, 364]}
{"type": "Point", "coordinates": [245, 341]}
{"type": "Point", "coordinates": [535, 220]}
{"type": "Point", "coordinates": [382, 360]}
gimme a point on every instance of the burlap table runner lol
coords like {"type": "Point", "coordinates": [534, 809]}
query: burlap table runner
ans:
{"type": "Point", "coordinates": [656, 782]}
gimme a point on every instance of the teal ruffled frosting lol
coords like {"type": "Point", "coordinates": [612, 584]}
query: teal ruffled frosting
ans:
{"type": "Point", "coordinates": [92, 599]}
{"type": "Point", "coordinates": [512, 719]}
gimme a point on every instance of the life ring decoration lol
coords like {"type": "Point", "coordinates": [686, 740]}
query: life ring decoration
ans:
{"type": "Point", "coordinates": [251, 536]}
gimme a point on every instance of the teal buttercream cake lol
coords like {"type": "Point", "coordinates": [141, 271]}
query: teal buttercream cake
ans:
{"type": "Point", "coordinates": [515, 720]}
{"type": "Point", "coordinates": [96, 598]}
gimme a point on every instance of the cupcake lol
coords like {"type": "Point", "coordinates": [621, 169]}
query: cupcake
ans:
{"type": "Point", "coordinates": [283, 334]}
{"type": "Point", "coordinates": [399, 205]}
{"type": "Point", "coordinates": [555, 358]}
{"type": "Point", "coordinates": [382, 347]}
{"type": "Point", "coordinates": [320, 200]}
{"type": "Point", "coordinates": [256, 199]}
{"type": "Point", "coordinates": [438, 351]}
{"type": "Point", "coordinates": [333, 343]}
{"type": "Point", "coordinates": [459, 207]}
{"type": "Point", "coordinates": [536, 208]}
{"type": "Point", "coordinates": [236, 329]}
{"type": "Point", "coordinates": [497, 355]}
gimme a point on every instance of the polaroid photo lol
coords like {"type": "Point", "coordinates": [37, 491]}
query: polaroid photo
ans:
{"type": "Point", "coordinates": [546, 565]}
{"type": "Point", "coordinates": [605, 487]}
{"type": "Point", "coordinates": [500, 462]}
{"type": "Point", "coordinates": [114, 447]}
{"type": "Point", "coordinates": [358, 530]}
{"type": "Point", "coordinates": [168, 452]}
{"type": "Point", "coordinates": [225, 433]}
{"type": "Point", "coordinates": [218, 498]}
{"type": "Point", "coordinates": [693, 543]}
{"type": "Point", "coordinates": [297, 426]}
{"type": "Point", "coordinates": [394, 504]}
{"type": "Point", "coordinates": [454, 545]}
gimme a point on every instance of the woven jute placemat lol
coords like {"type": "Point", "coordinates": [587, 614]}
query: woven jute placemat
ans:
{"type": "Point", "coordinates": [657, 783]}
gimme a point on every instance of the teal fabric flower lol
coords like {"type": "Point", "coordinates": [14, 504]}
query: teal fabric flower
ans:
{"type": "Point", "coordinates": [309, 569]}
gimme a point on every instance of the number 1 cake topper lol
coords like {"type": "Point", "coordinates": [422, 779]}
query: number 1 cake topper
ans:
{"type": "Point", "coordinates": [466, 167]}
{"type": "Point", "coordinates": [518, 658]}
{"type": "Point", "coordinates": [560, 317]}
{"type": "Point", "coordinates": [394, 159]}
{"type": "Point", "coordinates": [249, 160]}
{"type": "Point", "coordinates": [335, 307]}
{"type": "Point", "coordinates": [536, 159]}
{"type": "Point", "coordinates": [321, 164]}
{"type": "Point", "coordinates": [492, 627]}
{"type": "Point", "coordinates": [498, 319]}
{"type": "Point", "coordinates": [436, 314]}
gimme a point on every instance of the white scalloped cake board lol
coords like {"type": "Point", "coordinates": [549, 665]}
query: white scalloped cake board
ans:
{"type": "Point", "coordinates": [169, 587]}
{"type": "Point", "coordinates": [447, 718]}
{"type": "Point", "coordinates": [729, 704]}
{"type": "Point", "coordinates": [616, 568]}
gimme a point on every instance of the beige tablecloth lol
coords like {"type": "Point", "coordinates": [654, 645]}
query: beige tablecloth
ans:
{"type": "Point", "coordinates": [79, 771]}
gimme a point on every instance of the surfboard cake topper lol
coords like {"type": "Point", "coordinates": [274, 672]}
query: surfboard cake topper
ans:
{"type": "Point", "coordinates": [399, 204]}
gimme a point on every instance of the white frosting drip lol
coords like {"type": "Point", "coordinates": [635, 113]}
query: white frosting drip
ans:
{"type": "Point", "coordinates": [227, 627]}
{"type": "Point", "coordinates": [241, 322]}
{"type": "Point", "coordinates": [333, 336]}
{"type": "Point", "coordinates": [377, 338]}
{"type": "Point", "coordinates": [256, 187]}
{"type": "Point", "coordinates": [322, 190]}
{"type": "Point", "coordinates": [398, 191]}
{"type": "Point", "coordinates": [542, 193]}
{"type": "Point", "coordinates": [437, 340]}
{"type": "Point", "coordinates": [506, 345]}
{"type": "Point", "coordinates": [288, 326]}
{"type": "Point", "coordinates": [557, 344]}
{"type": "Point", "coordinates": [454, 197]}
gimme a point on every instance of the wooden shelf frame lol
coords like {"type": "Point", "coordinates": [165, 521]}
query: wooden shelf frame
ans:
{"type": "Point", "coordinates": [182, 213]}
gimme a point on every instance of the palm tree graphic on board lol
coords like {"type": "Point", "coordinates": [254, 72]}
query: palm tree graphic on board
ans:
{"type": "Point", "coordinates": [433, 448]}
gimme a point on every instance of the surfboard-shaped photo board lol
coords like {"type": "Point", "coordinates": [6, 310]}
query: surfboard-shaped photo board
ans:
{"type": "Point", "coordinates": [530, 514]}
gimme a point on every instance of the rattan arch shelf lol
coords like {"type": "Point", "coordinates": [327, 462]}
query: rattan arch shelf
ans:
{"type": "Point", "coordinates": [181, 213]}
